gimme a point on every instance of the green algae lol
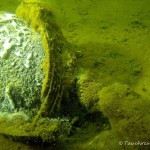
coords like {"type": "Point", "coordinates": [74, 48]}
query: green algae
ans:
{"type": "Point", "coordinates": [113, 37]}
{"type": "Point", "coordinates": [127, 111]}
{"type": "Point", "coordinates": [53, 83]}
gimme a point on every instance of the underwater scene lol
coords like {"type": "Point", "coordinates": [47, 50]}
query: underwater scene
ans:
{"type": "Point", "coordinates": [74, 74]}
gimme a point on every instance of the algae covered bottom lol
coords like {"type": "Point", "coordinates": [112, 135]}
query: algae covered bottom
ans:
{"type": "Point", "coordinates": [92, 102]}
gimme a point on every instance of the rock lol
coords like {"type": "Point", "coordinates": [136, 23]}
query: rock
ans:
{"type": "Point", "coordinates": [127, 111]}
{"type": "Point", "coordinates": [35, 63]}
{"type": "Point", "coordinates": [88, 92]}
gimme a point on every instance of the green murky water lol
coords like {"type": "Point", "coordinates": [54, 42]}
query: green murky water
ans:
{"type": "Point", "coordinates": [111, 40]}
